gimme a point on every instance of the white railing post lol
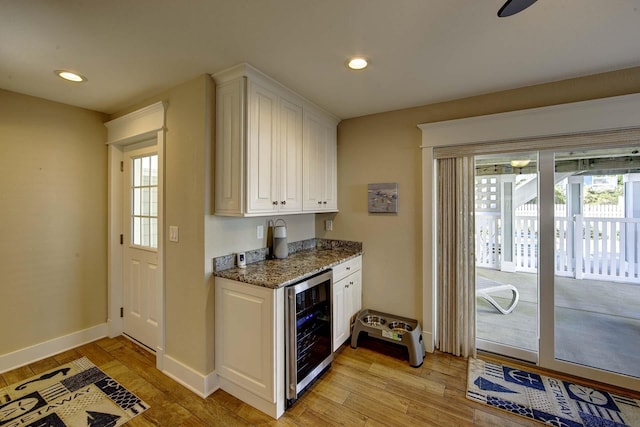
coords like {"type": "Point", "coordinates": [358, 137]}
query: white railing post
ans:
{"type": "Point", "coordinates": [578, 244]}
{"type": "Point", "coordinates": [622, 250]}
{"type": "Point", "coordinates": [507, 213]}
{"type": "Point", "coordinates": [632, 254]}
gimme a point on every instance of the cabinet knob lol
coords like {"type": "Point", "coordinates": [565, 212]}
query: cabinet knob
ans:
{"type": "Point", "coordinates": [351, 283]}
{"type": "Point", "coordinates": [275, 203]}
{"type": "Point", "coordinates": [324, 203]}
{"type": "Point", "coordinates": [284, 202]}
{"type": "Point", "coordinates": [348, 268]}
{"type": "Point", "coordinates": [319, 202]}
{"type": "Point", "coordinates": [346, 286]}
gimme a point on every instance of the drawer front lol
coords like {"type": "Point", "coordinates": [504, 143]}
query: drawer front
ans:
{"type": "Point", "coordinates": [341, 271]}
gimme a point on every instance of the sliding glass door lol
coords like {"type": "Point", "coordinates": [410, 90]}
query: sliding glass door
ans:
{"type": "Point", "coordinates": [506, 221]}
{"type": "Point", "coordinates": [558, 260]}
{"type": "Point", "coordinates": [596, 283]}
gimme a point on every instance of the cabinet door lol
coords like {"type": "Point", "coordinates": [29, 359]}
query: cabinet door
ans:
{"type": "Point", "coordinates": [340, 316]}
{"type": "Point", "coordinates": [319, 163]}
{"type": "Point", "coordinates": [331, 177]}
{"type": "Point", "coordinates": [355, 291]}
{"type": "Point", "coordinates": [230, 134]}
{"type": "Point", "coordinates": [246, 337]}
{"type": "Point", "coordinates": [290, 187]}
{"type": "Point", "coordinates": [262, 150]}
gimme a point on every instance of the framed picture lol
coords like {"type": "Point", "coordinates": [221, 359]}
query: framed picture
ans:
{"type": "Point", "coordinates": [383, 198]}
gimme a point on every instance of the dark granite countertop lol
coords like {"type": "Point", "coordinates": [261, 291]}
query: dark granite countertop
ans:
{"type": "Point", "coordinates": [275, 273]}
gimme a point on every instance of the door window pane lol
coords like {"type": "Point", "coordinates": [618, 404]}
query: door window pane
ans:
{"type": "Point", "coordinates": [144, 201]}
{"type": "Point", "coordinates": [506, 221]}
{"type": "Point", "coordinates": [597, 280]}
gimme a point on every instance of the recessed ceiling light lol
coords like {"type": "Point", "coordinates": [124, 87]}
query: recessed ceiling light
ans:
{"type": "Point", "coordinates": [357, 63]}
{"type": "Point", "coordinates": [71, 76]}
{"type": "Point", "coordinates": [519, 163]}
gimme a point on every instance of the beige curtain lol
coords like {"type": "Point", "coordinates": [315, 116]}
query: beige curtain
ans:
{"type": "Point", "coordinates": [455, 281]}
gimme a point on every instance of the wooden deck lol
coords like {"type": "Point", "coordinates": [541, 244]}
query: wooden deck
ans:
{"type": "Point", "coordinates": [603, 314]}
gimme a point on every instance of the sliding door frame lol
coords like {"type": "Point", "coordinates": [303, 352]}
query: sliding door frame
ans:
{"type": "Point", "coordinates": [546, 260]}
{"type": "Point", "coordinates": [539, 129]}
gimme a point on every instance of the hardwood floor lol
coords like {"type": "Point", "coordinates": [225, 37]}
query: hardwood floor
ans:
{"type": "Point", "coordinates": [370, 386]}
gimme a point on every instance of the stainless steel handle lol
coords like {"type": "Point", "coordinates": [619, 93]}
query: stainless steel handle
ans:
{"type": "Point", "coordinates": [290, 337]}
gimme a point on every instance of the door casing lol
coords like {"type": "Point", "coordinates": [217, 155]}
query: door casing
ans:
{"type": "Point", "coordinates": [138, 126]}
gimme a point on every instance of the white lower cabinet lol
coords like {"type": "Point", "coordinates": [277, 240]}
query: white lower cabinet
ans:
{"type": "Point", "coordinates": [249, 344]}
{"type": "Point", "coordinates": [340, 321]}
{"type": "Point", "coordinates": [347, 298]}
{"type": "Point", "coordinates": [249, 335]}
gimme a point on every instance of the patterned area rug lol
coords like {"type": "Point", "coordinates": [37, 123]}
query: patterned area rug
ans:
{"type": "Point", "coordinates": [75, 394]}
{"type": "Point", "coordinates": [549, 400]}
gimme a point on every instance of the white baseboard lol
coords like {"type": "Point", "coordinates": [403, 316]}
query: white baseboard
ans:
{"type": "Point", "coordinates": [28, 355]}
{"type": "Point", "coordinates": [114, 327]}
{"type": "Point", "coordinates": [427, 338]}
{"type": "Point", "coordinates": [202, 385]}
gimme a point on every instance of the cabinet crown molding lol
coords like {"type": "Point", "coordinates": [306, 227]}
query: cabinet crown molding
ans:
{"type": "Point", "coordinates": [247, 70]}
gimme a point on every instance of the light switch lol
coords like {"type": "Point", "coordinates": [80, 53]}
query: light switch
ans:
{"type": "Point", "coordinates": [173, 233]}
{"type": "Point", "coordinates": [260, 232]}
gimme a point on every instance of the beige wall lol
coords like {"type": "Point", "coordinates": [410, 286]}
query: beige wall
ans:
{"type": "Point", "coordinates": [188, 299]}
{"type": "Point", "coordinates": [190, 122]}
{"type": "Point", "coordinates": [53, 223]}
{"type": "Point", "coordinates": [384, 148]}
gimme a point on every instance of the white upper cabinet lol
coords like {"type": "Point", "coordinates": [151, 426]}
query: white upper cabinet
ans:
{"type": "Point", "coordinates": [272, 148]}
{"type": "Point", "coordinates": [262, 150]}
{"type": "Point", "coordinates": [229, 153]}
{"type": "Point", "coordinates": [320, 163]}
{"type": "Point", "coordinates": [291, 177]}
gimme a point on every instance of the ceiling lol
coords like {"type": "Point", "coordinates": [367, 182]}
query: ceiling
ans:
{"type": "Point", "coordinates": [421, 51]}
{"type": "Point", "coordinates": [588, 161]}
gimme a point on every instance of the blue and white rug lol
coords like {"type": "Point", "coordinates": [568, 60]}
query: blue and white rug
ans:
{"type": "Point", "coordinates": [72, 395]}
{"type": "Point", "coordinates": [548, 400]}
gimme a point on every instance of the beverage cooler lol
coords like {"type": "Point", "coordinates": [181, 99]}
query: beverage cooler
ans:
{"type": "Point", "coordinates": [307, 333]}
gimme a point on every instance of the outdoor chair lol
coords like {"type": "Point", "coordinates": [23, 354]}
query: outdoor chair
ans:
{"type": "Point", "coordinates": [484, 289]}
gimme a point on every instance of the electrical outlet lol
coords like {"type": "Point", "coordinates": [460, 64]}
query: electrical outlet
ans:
{"type": "Point", "coordinates": [260, 232]}
{"type": "Point", "coordinates": [328, 225]}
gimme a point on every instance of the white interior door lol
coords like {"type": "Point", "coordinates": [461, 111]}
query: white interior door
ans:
{"type": "Point", "coordinates": [142, 281]}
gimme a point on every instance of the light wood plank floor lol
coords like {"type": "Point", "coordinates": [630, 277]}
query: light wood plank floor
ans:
{"type": "Point", "coordinates": [370, 386]}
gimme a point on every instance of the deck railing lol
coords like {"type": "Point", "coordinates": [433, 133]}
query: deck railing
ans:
{"type": "Point", "coordinates": [585, 247]}
{"type": "Point", "coordinates": [591, 211]}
